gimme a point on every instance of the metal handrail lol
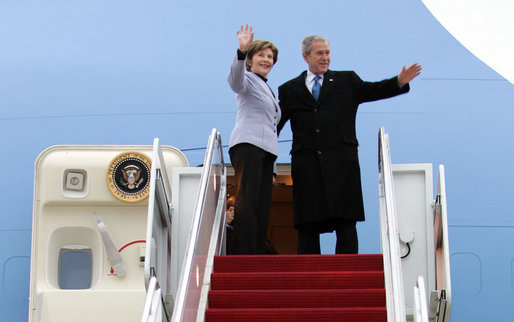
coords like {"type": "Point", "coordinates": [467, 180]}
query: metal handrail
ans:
{"type": "Point", "coordinates": [442, 249]}
{"type": "Point", "coordinates": [153, 309]}
{"type": "Point", "coordinates": [395, 298]}
{"type": "Point", "coordinates": [421, 312]}
{"type": "Point", "coordinates": [158, 231]}
{"type": "Point", "coordinates": [189, 270]}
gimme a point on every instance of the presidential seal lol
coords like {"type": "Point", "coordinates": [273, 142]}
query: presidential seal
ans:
{"type": "Point", "coordinates": [128, 176]}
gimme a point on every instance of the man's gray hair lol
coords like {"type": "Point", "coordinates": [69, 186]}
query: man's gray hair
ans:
{"type": "Point", "coordinates": [307, 43]}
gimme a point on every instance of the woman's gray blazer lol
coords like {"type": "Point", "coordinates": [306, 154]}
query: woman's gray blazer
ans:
{"type": "Point", "coordinates": [258, 111]}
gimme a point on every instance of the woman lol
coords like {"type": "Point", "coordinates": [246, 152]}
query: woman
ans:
{"type": "Point", "coordinates": [253, 143]}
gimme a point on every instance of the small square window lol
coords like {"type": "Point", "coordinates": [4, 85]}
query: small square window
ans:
{"type": "Point", "coordinates": [75, 269]}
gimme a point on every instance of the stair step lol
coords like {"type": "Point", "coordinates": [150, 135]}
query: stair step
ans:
{"type": "Point", "coordinates": [297, 298]}
{"type": "Point", "coordinates": [296, 263]}
{"type": "Point", "coordinates": [298, 280]}
{"type": "Point", "coordinates": [297, 288]}
{"type": "Point", "coordinates": [371, 314]}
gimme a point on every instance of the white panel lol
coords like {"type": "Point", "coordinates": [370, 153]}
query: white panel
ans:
{"type": "Point", "coordinates": [186, 182]}
{"type": "Point", "coordinates": [484, 27]}
{"type": "Point", "coordinates": [414, 195]}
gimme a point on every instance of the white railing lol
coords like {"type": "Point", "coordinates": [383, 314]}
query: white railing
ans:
{"type": "Point", "coordinates": [395, 298]}
{"type": "Point", "coordinates": [158, 230]}
{"type": "Point", "coordinates": [153, 309]}
{"type": "Point", "coordinates": [420, 301]}
{"type": "Point", "coordinates": [442, 300]}
{"type": "Point", "coordinates": [206, 238]}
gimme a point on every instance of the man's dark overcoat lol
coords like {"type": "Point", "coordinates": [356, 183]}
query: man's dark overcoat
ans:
{"type": "Point", "coordinates": [324, 159]}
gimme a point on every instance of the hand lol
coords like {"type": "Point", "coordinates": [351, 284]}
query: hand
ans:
{"type": "Point", "coordinates": [245, 38]}
{"type": "Point", "coordinates": [408, 74]}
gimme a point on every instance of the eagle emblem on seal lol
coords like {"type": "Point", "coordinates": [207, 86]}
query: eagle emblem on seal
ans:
{"type": "Point", "coordinates": [128, 176]}
{"type": "Point", "coordinates": [131, 174]}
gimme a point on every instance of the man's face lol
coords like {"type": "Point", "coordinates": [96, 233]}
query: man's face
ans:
{"type": "Point", "coordinates": [319, 57]}
{"type": "Point", "coordinates": [230, 215]}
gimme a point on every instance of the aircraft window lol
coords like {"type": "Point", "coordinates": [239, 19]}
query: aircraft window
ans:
{"type": "Point", "coordinates": [75, 269]}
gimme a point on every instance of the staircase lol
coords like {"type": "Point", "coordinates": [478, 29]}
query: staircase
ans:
{"type": "Point", "coordinates": [297, 288]}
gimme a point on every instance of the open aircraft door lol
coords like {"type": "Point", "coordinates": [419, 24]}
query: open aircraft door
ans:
{"type": "Point", "coordinates": [88, 234]}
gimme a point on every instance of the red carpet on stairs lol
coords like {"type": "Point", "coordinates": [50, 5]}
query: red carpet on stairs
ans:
{"type": "Point", "coordinates": [297, 288]}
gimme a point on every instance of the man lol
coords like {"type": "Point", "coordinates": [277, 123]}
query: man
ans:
{"type": "Point", "coordinates": [321, 105]}
{"type": "Point", "coordinates": [229, 219]}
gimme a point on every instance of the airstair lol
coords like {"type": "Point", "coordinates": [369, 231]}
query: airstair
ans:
{"type": "Point", "coordinates": [297, 288]}
{"type": "Point", "coordinates": [132, 233]}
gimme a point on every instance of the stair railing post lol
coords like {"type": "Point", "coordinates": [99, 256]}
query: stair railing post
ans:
{"type": "Point", "coordinates": [390, 243]}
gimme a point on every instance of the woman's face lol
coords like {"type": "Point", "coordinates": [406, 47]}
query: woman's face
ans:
{"type": "Point", "coordinates": [262, 62]}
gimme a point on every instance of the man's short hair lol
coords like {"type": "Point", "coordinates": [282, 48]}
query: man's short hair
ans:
{"type": "Point", "coordinates": [307, 43]}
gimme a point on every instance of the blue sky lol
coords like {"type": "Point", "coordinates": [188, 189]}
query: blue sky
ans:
{"type": "Point", "coordinates": [124, 72]}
